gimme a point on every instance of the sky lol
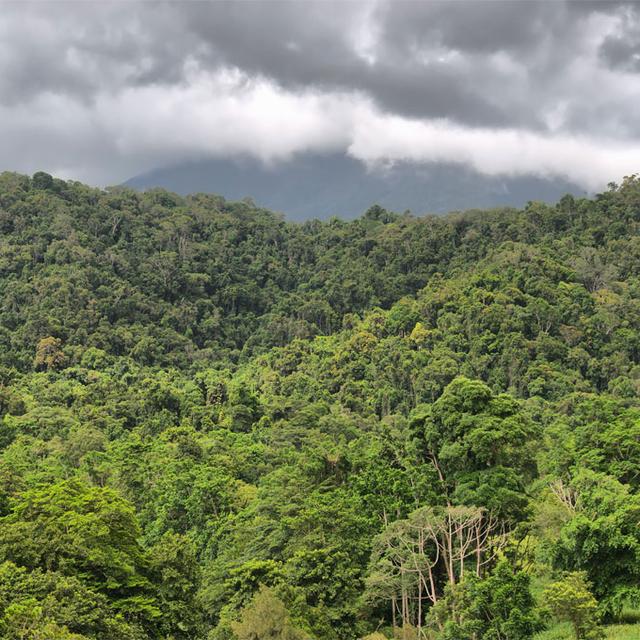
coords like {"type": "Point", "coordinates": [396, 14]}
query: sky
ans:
{"type": "Point", "coordinates": [100, 92]}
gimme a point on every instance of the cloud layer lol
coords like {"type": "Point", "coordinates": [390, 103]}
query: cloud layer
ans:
{"type": "Point", "coordinates": [102, 91]}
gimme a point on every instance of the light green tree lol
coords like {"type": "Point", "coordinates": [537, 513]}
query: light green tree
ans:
{"type": "Point", "coordinates": [266, 618]}
{"type": "Point", "coordinates": [571, 600]}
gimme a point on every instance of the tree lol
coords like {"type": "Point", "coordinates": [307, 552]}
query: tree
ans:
{"type": "Point", "coordinates": [35, 598]}
{"type": "Point", "coordinates": [416, 560]}
{"type": "Point", "coordinates": [592, 271]}
{"type": "Point", "coordinates": [266, 618]}
{"type": "Point", "coordinates": [71, 526]}
{"type": "Point", "coordinates": [175, 576]}
{"type": "Point", "coordinates": [90, 532]}
{"type": "Point", "coordinates": [500, 606]}
{"type": "Point", "coordinates": [481, 446]}
{"type": "Point", "coordinates": [49, 355]}
{"type": "Point", "coordinates": [571, 600]}
{"type": "Point", "coordinates": [26, 621]}
{"type": "Point", "coordinates": [601, 537]}
{"type": "Point", "coordinates": [42, 180]}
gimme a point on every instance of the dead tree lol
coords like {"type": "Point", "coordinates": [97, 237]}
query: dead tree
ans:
{"type": "Point", "coordinates": [415, 558]}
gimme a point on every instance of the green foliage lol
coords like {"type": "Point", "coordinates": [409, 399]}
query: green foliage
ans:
{"type": "Point", "coordinates": [175, 575]}
{"type": "Point", "coordinates": [50, 598]}
{"type": "Point", "coordinates": [26, 621]}
{"type": "Point", "coordinates": [571, 600]}
{"type": "Point", "coordinates": [601, 538]}
{"type": "Point", "coordinates": [198, 398]}
{"type": "Point", "coordinates": [264, 618]}
{"type": "Point", "coordinates": [75, 529]}
{"type": "Point", "coordinates": [48, 354]}
{"type": "Point", "coordinates": [498, 606]}
{"type": "Point", "coordinates": [481, 446]}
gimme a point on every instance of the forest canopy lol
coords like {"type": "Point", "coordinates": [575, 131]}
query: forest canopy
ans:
{"type": "Point", "coordinates": [216, 424]}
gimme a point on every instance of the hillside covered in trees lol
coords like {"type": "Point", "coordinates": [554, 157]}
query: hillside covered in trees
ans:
{"type": "Point", "coordinates": [218, 425]}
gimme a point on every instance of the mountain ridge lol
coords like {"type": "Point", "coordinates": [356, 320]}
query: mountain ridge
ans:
{"type": "Point", "coordinates": [320, 186]}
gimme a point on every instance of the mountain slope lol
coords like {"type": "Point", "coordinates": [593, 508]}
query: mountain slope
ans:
{"type": "Point", "coordinates": [316, 186]}
{"type": "Point", "coordinates": [213, 421]}
{"type": "Point", "coordinates": [166, 277]}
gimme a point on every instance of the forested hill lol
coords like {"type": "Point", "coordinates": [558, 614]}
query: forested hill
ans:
{"type": "Point", "coordinates": [216, 424]}
{"type": "Point", "coordinates": [171, 280]}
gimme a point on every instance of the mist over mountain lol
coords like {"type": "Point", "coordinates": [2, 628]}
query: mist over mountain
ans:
{"type": "Point", "coordinates": [320, 186]}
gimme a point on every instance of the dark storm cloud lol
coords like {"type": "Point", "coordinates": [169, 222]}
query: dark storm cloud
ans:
{"type": "Point", "coordinates": [304, 44]}
{"type": "Point", "coordinates": [85, 75]}
{"type": "Point", "coordinates": [79, 48]}
{"type": "Point", "coordinates": [301, 45]}
{"type": "Point", "coordinates": [473, 26]}
{"type": "Point", "coordinates": [621, 50]}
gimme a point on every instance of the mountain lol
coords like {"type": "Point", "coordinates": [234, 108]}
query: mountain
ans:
{"type": "Point", "coordinates": [321, 186]}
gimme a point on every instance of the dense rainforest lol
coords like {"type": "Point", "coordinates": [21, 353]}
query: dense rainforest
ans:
{"type": "Point", "coordinates": [217, 425]}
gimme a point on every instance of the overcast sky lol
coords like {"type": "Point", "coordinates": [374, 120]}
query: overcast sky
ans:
{"type": "Point", "coordinates": [103, 91]}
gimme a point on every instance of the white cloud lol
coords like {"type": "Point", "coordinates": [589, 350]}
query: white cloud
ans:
{"type": "Point", "coordinates": [213, 114]}
{"type": "Point", "coordinates": [228, 113]}
{"type": "Point", "coordinates": [589, 162]}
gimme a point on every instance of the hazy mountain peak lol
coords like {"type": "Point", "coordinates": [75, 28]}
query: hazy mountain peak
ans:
{"type": "Point", "coordinates": [312, 185]}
